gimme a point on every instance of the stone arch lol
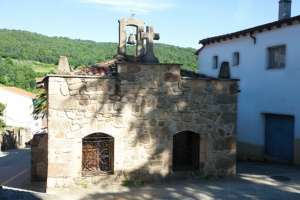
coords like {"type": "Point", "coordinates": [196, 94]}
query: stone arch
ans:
{"type": "Point", "coordinates": [204, 144]}
{"type": "Point", "coordinates": [97, 154]}
{"type": "Point", "coordinates": [123, 36]}
{"type": "Point", "coordinates": [181, 126]}
{"type": "Point", "coordinates": [186, 151]}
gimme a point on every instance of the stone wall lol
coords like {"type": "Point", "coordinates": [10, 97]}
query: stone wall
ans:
{"type": "Point", "coordinates": [142, 108]}
{"type": "Point", "coordinates": [11, 139]}
{"type": "Point", "coordinates": [39, 159]}
{"type": "Point", "coordinates": [25, 137]}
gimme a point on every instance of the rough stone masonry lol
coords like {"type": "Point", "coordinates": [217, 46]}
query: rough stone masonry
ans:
{"type": "Point", "coordinates": [143, 108]}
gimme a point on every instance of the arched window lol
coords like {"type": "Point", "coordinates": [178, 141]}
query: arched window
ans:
{"type": "Point", "coordinates": [97, 154]}
{"type": "Point", "coordinates": [186, 151]}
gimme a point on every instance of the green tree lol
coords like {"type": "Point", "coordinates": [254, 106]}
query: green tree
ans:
{"type": "Point", "coordinates": [23, 45]}
{"type": "Point", "coordinates": [2, 107]}
{"type": "Point", "coordinates": [40, 104]}
{"type": "Point", "coordinates": [18, 76]}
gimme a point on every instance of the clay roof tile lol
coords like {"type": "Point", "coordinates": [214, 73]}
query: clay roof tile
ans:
{"type": "Point", "coordinates": [19, 92]}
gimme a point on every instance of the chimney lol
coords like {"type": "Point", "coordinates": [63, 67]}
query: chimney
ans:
{"type": "Point", "coordinates": [284, 9]}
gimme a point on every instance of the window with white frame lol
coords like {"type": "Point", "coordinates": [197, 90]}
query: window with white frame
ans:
{"type": "Point", "coordinates": [215, 62]}
{"type": "Point", "coordinates": [236, 58]}
{"type": "Point", "coordinates": [276, 57]}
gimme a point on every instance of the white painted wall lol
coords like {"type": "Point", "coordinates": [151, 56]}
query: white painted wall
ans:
{"type": "Point", "coordinates": [18, 111]}
{"type": "Point", "coordinates": [263, 90]}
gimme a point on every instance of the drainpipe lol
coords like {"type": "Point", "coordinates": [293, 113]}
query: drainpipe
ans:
{"type": "Point", "coordinates": [253, 37]}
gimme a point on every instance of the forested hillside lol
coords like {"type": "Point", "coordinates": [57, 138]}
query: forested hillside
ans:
{"type": "Point", "coordinates": [17, 76]}
{"type": "Point", "coordinates": [25, 55]}
{"type": "Point", "coordinates": [24, 45]}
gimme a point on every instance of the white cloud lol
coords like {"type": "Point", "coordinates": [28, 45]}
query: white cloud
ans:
{"type": "Point", "coordinates": [138, 6]}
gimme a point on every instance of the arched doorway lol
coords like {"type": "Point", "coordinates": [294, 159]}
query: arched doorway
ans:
{"type": "Point", "coordinates": [97, 154]}
{"type": "Point", "coordinates": [186, 147]}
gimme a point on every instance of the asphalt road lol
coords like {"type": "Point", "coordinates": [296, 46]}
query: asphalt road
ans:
{"type": "Point", "coordinates": [14, 167]}
{"type": "Point", "coordinates": [15, 170]}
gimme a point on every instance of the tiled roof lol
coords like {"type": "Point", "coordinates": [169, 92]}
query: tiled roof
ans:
{"type": "Point", "coordinates": [242, 33]}
{"type": "Point", "coordinates": [39, 79]}
{"type": "Point", "coordinates": [19, 92]}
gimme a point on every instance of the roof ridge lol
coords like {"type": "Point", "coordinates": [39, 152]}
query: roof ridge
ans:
{"type": "Point", "coordinates": [259, 28]}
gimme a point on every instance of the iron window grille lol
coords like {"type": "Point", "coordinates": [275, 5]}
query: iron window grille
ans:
{"type": "Point", "coordinates": [276, 57]}
{"type": "Point", "coordinates": [97, 154]}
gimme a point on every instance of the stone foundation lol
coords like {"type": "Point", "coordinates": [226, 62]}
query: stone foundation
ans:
{"type": "Point", "coordinates": [249, 152]}
{"type": "Point", "coordinates": [297, 151]}
{"type": "Point", "coordinates": [142, 109]}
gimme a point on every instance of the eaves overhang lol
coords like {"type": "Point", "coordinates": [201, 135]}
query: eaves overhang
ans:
{"type": "Point", "coordinates": [249, 31]}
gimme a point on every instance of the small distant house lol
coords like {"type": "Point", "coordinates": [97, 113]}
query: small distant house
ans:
{"type": "Point", "coordinates": [266, 60]}
{"type": "Point", "coordinates": [18, 108]}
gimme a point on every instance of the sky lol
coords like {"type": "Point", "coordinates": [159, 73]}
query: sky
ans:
{"type": "Point", "coordinates": [179, 22]}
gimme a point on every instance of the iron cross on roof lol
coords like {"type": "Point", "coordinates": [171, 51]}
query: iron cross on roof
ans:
{"type": "Point", "coordinates": [149, 36]}
{"type": "Point", "coordinates": [132, 13]}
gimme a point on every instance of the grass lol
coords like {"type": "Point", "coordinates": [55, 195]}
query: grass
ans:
{"type": "Point", "coordinates": [125, 182]}
{"type": "Point", "coordinates": [45, 68]}
{"type": "Point", "coordinates": [37, 66]}
{"type": "Point", "coordinates": [139, 182]}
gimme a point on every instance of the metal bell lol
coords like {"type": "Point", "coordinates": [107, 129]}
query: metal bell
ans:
{"type": "Point", "coordinates": [131, 40]}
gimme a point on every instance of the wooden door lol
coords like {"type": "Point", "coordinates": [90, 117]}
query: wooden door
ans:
{"type": "Point", "coordinates": [279, 136]}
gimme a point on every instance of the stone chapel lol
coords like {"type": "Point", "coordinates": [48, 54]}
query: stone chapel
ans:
{"type": "Point", "coordinates": [136, 118]}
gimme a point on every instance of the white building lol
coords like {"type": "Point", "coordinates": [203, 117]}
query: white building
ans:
{"type": "Point", "coordinates": [266, 59]}
{"type": "Point", "coordinates": [18, 108]}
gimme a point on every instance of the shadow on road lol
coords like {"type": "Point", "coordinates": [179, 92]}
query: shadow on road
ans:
{"type": "Point", "coordinates": [8, 193]}
{"type": "Point", "coordinates": [254, 180]}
